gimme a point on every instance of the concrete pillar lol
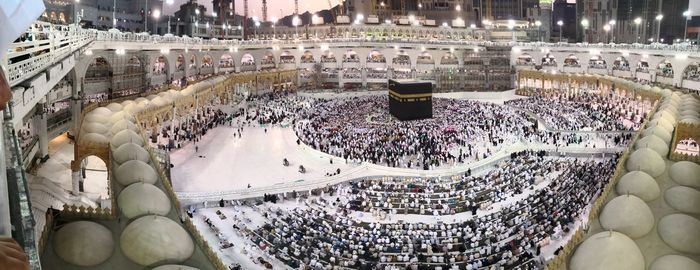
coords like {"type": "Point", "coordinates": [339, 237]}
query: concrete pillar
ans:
{"type": "Point", "coordinates": [341, 82]}
{"type": "Point", "coordinates": [364, 77]}
{"type": "Point", "coordinates": [76, 179]}
{"type": "Point", "coordinates": [76, 105]}
{"type": "Point", "coordinates": [41, 128]}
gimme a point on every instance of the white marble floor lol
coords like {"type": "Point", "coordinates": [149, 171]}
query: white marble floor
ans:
{"type": "Point", "coordinates": [225, 162]}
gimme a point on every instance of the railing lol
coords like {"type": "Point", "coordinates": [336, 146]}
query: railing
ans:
{"type": "Point", "coordinates": [144, 38]}
{"type": "Point", "coordinates": [28, 149]}
{"type": "Point", "coordinates": [59, 118]}
{"type": "Point", "coordinates": [41, 46]}
{"type": "Point", "coordinates": [18, 197]}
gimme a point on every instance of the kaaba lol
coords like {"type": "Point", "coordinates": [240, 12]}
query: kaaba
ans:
{"type": "Point", "coordinates": [410, 99]}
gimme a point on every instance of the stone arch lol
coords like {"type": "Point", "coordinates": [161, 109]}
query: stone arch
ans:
{"type": "Point", "coordinates": [572, 61]}
{"type": "Point", "coordinates": [350, 56]}
{"type": "Point", "coordinates": [328, 57]}
{"type": "Point", "coordinates": [94, 167]}
{"type": "Point", "coordinates": [621, 63]}
{"type": "Point", "coordinates": [268, 58]}
{"type": "Point", "coordinates": [99, 67]}
{"type": "Point", "coordinates": [524, 59]}
{"type": "Point", "coordinates": [449, 58]}
{"type": "Point", "coordinates": [307, 57]}
{"type": "Point", "coordinates": [180, 63]}
{"type": "Point", "coordinates": [193, 61]}
{"type": "Point", "coordinates": [160, 66]}
{"type": "Point", "coordinates": [426, 58]}
{"type": "Point", "coordinates": [226, 61]}
{"type": "Point", "coordinates": [207, 61]}
{"type": "Point", "coordinates": [692, 72]}
{"type": "Point", "coordinates": [664, 69]}
{"type": "Point", "coordinates": [247, 60]}
{"type": "Point", "coordinates": [549, 60]}
{"type": "Point", "coordinates": [401, 58]}
{"type": "Point", "coordinates": [597, 62]}
{"type": "Point", "coordinates": [376, 56]}
{"type": "Point", "coordinates": [642, 66]}
{"type": "Point", "coordinates": [287, 57]}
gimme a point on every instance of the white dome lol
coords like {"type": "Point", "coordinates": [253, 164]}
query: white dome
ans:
{"type": "Point", "coordinates": [152, 97]}
{"type": "Point", "coordinates": [155, 239]}
{"type": "Point", "coordinates": [665, 115]}
{"type": "Point", "coordinates": [96, 117]}
{"type": "Point", "coordinates": [689, 106]}
{"type": "Point", "coordinates": [685, 173]}
{"type": "Point", "coordinates": [686, 113]}
{"type": "Point", "coordinates": [140, 107]}
{"type": "Point", "coordinates": [628, 215]}
{"type": "Point", "coordinates": [130, 108]}
{"type": "Point", "coordinates": [122, 125]}
{"type": "Point", "coordinates": [658, 131]}
{"type": "Point", "coordinates": [646, 88]}
{"type": "Point", "coordinates": [134, 171]}
{"type": "Point", "coordinates": [167, 99]}
{"type": "Point", "coordinates": [646, 160]}
{"type": "Point", "coordinates": [94, 138]}
{"type": "Point", "coordinates": [126, 136]}
{"type": "Point", "coordinates": [174, 94]}
{"type": "Point", "coordinates": [639, 184]}
{"type": "Point", "coordinates": [174, 267]}
{"type": "Point", "coordinates": [101, 111]}
{"type": "Point", "coordinates": [187, 91]}
{"type": "Point", "coordinates": [130, 151]}
{"type": "Point", "coordinates": [675, 96]}
{"type": "Point", "coordinates": [83, 243]}
{"type": "Point", "coordinates": [114, 107]}
{"type": "Point", "coordinates": [121, 115]}
{"type": "Point", "coordinates": [690, 101]}
{"type": "Point", "coordinates": [681, 232]}
{"type": "Point", "coordinates": [684, 199]}
{"type": "Point", "coordinates": [670, 103]}
{"type": "Point", "coordinates": [140, 199]}
{"type": "Point", "coordinates": [157, 102]}
{"type": "Point", "coordinates": [672, 262]}
{"type": "Point", "coordinates": [668, 126]}
{"type": "Point", "coordinates": [656, 89]}
{"type": "Point", "coordinates": [604, 250]}
{"type": "Point", "coordinates": [128, 102]}
{"type": "Point", "coordinates": [666, 92]}
{"type": "Point", "coordinates": [669, 108]}
{"type": "Point", "coordinates": [652, 142]}
{"type": "Point", "coordinates": [691, 121]}
{"type": "Point", "coordinates": [141, 100]}
{"type": "Point", "coordinates": [95, 127]}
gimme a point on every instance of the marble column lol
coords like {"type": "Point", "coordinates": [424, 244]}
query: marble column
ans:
{"type": "Point", "coordinates": [75, 184]}
{"type": "Point", "coordinates": [41, 128]}
{"type": "Point", "coordinates": [76, 105]}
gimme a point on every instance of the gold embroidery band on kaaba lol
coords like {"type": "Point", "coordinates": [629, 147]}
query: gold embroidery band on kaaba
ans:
{"type": "Point", "coordinates": [405, 96]}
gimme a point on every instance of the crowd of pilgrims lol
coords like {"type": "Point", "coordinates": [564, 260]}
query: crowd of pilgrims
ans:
{"type": "Point", "coordinates": [320, 231]}
{"type": "Point", "coordinates": [585, 111]}
{"type": "Point", "coordinates": [460, 131]}
{"type": "Point", "coordinates": [191, 127]}
{"type": "Point", "coordinates": [460, 193]}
